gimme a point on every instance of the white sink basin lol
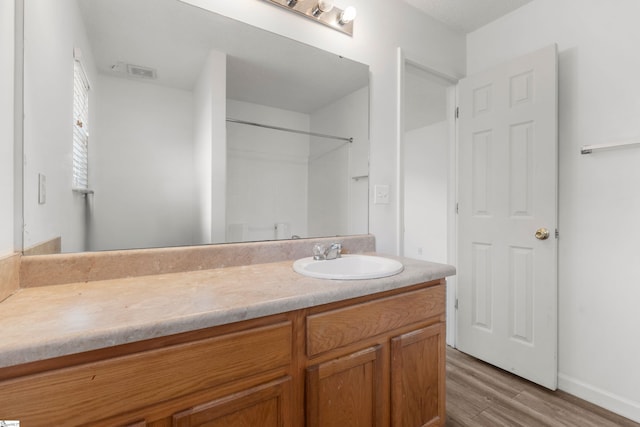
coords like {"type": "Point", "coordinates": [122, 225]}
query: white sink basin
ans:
{"type": "Point", "coordinates": [348, 267]}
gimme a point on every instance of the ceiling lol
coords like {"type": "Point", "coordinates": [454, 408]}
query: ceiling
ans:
{"type": "Point", "coordinates": [467, 15]}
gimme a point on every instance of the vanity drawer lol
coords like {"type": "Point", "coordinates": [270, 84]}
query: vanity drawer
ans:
{"type": "Point", "coordinates": [338, 328]}
{"type": "Point", "coordinates": [97, 390]}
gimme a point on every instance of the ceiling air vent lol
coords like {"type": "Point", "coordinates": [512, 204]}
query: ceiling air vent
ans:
{"type": "Point", "coordinates": [142, 72]}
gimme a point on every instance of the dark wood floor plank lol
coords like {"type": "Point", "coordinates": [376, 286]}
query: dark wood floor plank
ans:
{"type": "Point", "coordinates": [479, 394]}
{"type": "Point", "coordinates": [504, 382]}
{"type": "Point", "coordinates": [464, 403]}
{"type": "Point", "coordinates": [505, 415]}
{"type": "Point", "coordinates": [565, 415]}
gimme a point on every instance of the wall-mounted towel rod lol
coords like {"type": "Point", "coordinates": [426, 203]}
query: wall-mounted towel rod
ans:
{"type": "Point", "coordinates": [588, 149]}
{"type": "Point", "coordinates": [321, 135]}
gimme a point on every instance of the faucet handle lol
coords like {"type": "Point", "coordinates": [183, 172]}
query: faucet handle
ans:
{"type": "Point", "coordinates": [333, 251]}
{"type": "Point", "coordinates": [318, 251]}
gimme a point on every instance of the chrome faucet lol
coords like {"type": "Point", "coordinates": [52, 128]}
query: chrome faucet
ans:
{"type": "Point", "coordinates": [331, 252]}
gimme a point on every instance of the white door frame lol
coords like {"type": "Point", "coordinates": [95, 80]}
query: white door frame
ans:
{"type": "Point", "coordinates": [401, 61]}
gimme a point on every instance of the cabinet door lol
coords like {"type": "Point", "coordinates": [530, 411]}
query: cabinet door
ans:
{"type": "Point", "coordinates": [266, 405]}
{"type": "Point", "coordinates": [418, 378]}
{"type": "Point", "coordinates": [346, 391]}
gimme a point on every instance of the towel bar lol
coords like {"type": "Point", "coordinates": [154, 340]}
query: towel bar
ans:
{"type": "Point", "coordinates": [588, 149]}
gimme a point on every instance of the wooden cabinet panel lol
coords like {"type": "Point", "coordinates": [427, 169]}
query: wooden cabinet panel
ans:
{"type": "Point", "coordinates": [346, 391]}
{"type": "Point", "coordinates": [338, 328]}
{"type": "Point", "coordinates": [265, 405]}
{"type": "Point", "coordinates": [418, 378]}
{"type": "Point", "coordinates": [98, 390]}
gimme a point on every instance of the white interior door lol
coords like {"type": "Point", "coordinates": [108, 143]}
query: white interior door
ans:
{"type": "Point", "coordinates": [507, 269]}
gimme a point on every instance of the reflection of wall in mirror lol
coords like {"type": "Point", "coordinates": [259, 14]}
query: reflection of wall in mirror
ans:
{"type": "Point", "coordinates": [143, 170]}
{"type": "Point", "coordinates": [53, 30]}
{"type": "Point", "coordinates": [210, 148]}
{"type": "Point", "coordinates": [336, 199]}
{"type": "Point", "coordinates": [267, 170]}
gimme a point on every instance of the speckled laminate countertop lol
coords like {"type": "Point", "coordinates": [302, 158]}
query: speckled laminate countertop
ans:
{"type": "Point", "coordinates": [45, 322]}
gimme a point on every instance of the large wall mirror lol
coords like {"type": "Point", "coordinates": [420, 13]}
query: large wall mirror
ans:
{"type": "Point", "coordinates": [201, 129]}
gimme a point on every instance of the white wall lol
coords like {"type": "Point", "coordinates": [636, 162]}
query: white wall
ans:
{"type": "Point", "coordinates": [357, 111]}
{"type": "Point", "coordinates": [426, 172]}
{"type": "Point", "coordinates": [329, 190]}
{"type": "Point", "coordinates": [48, 113]}
{"type": "Point", "coordinates": [380, 28]}
{"type": "Point", "coordinates": [426, 161]}
{"type": "Point", "coordinates": [143, 133]}
{"type": "Point", "coordinates": [599, 271]}
{"type": "Point", "coordinates": [7, 40]}
{"type": "Point", "coordinates": [210, 153]}
{"type": "Point", "coordinates": [335, 199]}
{"type": "Point", "coordinates": [267, 173]}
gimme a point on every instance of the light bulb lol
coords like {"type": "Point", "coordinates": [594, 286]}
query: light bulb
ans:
{"type": "Point", "coordinates": [348, 15]}
{"type": "Point", "coordinates": [323, 6]}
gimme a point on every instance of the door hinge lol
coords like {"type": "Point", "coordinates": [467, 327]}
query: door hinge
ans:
{"type": "Point", "coordinates": [457, 208]}
{"type": "Point", "coordinates": [456, 306]}
{"type": "Point", "coordinates": [457, 112]}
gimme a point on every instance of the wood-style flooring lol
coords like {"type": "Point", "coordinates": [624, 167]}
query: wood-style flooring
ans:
{"type": "Point", "coordinates": [479, 394]}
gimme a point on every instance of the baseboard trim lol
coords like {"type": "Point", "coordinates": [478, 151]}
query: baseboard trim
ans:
{"type": "Point", "coordinates": [614, 403]}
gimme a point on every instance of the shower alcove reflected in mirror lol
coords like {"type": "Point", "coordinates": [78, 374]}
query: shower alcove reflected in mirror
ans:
{"type": "Point", "coordinates": [166, 165]}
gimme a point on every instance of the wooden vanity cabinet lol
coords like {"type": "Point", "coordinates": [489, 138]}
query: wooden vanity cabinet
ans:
{"type": "Point", "coordinates": [371, 361]}
{"type": "Point", "coordinates": [379, 362]}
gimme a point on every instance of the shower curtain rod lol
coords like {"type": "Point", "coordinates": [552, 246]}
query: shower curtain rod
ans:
{"type": "Point", "coordinates": [321, 135]}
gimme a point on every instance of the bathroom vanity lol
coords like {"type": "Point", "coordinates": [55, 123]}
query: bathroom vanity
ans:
{"type": "Point", "coordinates": [235, 346]}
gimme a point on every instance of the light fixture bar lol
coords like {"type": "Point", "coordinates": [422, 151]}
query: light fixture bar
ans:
{"type": "Point", "coordinates": [309, 8]}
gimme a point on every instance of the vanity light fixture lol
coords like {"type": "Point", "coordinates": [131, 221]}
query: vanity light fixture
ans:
{"type": "Point", "coordinates": [322, 11]}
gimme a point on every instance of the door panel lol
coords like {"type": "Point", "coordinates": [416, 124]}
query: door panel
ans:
{"type": "Point", "coordinates": [507, 278]}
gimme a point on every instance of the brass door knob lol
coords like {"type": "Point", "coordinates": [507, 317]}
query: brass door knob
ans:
{"type": "Point", "coordinates": [542, 234]}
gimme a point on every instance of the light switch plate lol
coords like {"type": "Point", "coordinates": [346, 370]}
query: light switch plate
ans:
{"type": "Point", "coordinates": [381, 194]}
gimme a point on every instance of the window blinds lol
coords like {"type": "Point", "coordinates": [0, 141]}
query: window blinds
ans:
{"type": "Point", "coordinates": [80, 127]}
